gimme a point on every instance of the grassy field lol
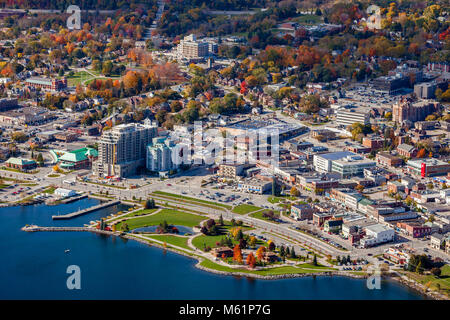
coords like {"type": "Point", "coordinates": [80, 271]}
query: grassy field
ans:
{"type": "Point", "coordinates": [268, 272]}
{"type": "Point", "coordinates": [245, 208]}
{"type": "Point", "coordinates": [193, 200]}
{"type": "Point", "coordinates": [77, 78]}
{"type": "Point", "coordinates": [136, 213]}
{"type": "Point", "coordinates": [173, 240]}
{"type": "Point", "coordinates": [171, 216]}
{"type": "Point", "coordinates": [274, 200]}
{"type": "Point", "coordinates": [259, 215]}
{"type": "Point", "coordinates": [50, 190]}
{"type": "Point", "coordinates": [201, 241]}
{"type": "Point", "coordinates": [308, 19]}
{"type": "Point", "coordinates": [20, 171]}
{"type": "Point", "coordinates": [429, 280]}
{"type": "Point", "coordinates": [318, 267]}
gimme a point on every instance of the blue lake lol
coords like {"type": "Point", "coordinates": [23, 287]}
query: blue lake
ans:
{"type": "Point", "coordinates": [33, 266]}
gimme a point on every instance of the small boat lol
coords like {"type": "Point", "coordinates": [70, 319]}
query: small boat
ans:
{"type": "Point", "coordinates": [67, 250]}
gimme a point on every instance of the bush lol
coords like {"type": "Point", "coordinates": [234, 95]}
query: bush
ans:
{"type": "Point", "coordinates": [436, 272]}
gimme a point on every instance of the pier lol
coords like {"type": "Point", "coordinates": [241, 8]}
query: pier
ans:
{"type": "Point", "coordinates": [34, 228]}
{"type": "Point", "coordinates": [87, 210]}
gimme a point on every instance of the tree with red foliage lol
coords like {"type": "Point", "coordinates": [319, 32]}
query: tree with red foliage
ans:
{"type": "Point", "coordinates": [243, 87]}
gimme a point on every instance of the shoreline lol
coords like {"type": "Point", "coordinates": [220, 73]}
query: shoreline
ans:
{"type": "Point", "coordinates": [418, 288]}
{"type": "Point", "coordinates": [411, 284]}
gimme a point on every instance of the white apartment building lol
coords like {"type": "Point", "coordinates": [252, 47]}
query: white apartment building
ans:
{"type": "Point", "coordinates": [323, 162]}
{"type": "Point", "coordinates": [348, 117]}
{"type": "Point", "coordinates": [191, 48]}
{"type": "Point", "coordinates": [159, 155]}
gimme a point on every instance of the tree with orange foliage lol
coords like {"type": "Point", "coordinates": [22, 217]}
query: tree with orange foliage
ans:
{"type": "Point", "coordinates": [251, 261]}
{"type": "Point", "coordinates": [130, 79]}
{"type": "Point", "coordinates": [7, 71]}
{"type": "Point", "coordinates": [237, 254]}
{"type": "Point", "coordinates": [260, 252]}
{"type": "Point", "coordinates": [421, 153]}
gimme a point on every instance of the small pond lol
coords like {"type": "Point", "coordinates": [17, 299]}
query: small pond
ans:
{"type": "Point", "coordinates": [152, 229]}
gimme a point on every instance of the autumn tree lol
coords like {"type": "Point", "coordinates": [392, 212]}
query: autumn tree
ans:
{"type": "Point", "coordinates": [251, 261]}
{"type": "Point", "coordinates": [237, 254]}
{"type": "Point", "coordinates": [294, 192]}
{"type": "Point", "coordinates": [421, 153]}
{"type": "Point", "coordinates": [260, 252]}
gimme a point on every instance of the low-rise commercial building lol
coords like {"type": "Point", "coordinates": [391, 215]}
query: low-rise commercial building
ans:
{"type": "Point", "coordinates": [351, 166]}
{"type": "Point", "coordinates": [21, 164]}
{"type": "Point", "coordinates": [51, 84]}
{"type": "Point", "coordinates": [377, 234]}
{"type": "Point", "coordinates": [64, 193]}
{"type": "Point", "coordinates": [428, 167]}
{"type": "Point", "coordinates": [302, 212]}
{"type": "Point", "coordinates": [388, 160]}
{"type": "Point", "coordinates": [414, 229]}
{"type": "Point", "coordinates": [254, 186]}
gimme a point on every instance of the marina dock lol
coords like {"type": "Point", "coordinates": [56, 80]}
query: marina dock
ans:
{"type": "Point", "coordinates": [87, 210]}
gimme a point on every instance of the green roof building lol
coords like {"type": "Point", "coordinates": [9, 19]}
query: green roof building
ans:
{"type": "Point", "coordinates": [76, 159]}
{"type": "Point", "coordinates": [21, 164]}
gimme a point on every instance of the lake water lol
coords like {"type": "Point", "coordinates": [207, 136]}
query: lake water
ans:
{"type": "Point", "coordinates": [33, 266]}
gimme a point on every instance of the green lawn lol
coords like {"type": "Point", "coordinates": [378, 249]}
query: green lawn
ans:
{"type": "Point", "coordinates": [136, 213]}
{"type": "Point", "coordinates": [267, 272]}
{"type": "Point", "coordinates": [20, 171]}
{"type": "Point", "coordinates": [245, 208]}
{"type": "Point", "coordinates": [311, 266]}
{"type": "Point", "coordinates": [177, 196]}
{"type": "Point", "coordinates": [202, 240]}
{"type": "Point", "coordinates": [171, 216]}
{"type": "Point", "coordinates": [308, 19]}
{"type": "Point", "coordinates": [174, 240]}
{"type": "Point", "coordinates": [259, 215]}
{"type": "Point", "coordinates": [443, 280]}
{"type": "Point", "coordinates": [50, 190]}
{"type": "Point", "coordinates": [77, 78]}
{"type": "Point", "coordinates": [274, 200]}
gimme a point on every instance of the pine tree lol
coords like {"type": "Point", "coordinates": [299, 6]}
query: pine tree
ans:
{"type": "Point", "coordinates": [315, 260]}
{"type": "Point", "coordinates": [293, 255]}
{"type": "Point", "coordinates": [221, 220]}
